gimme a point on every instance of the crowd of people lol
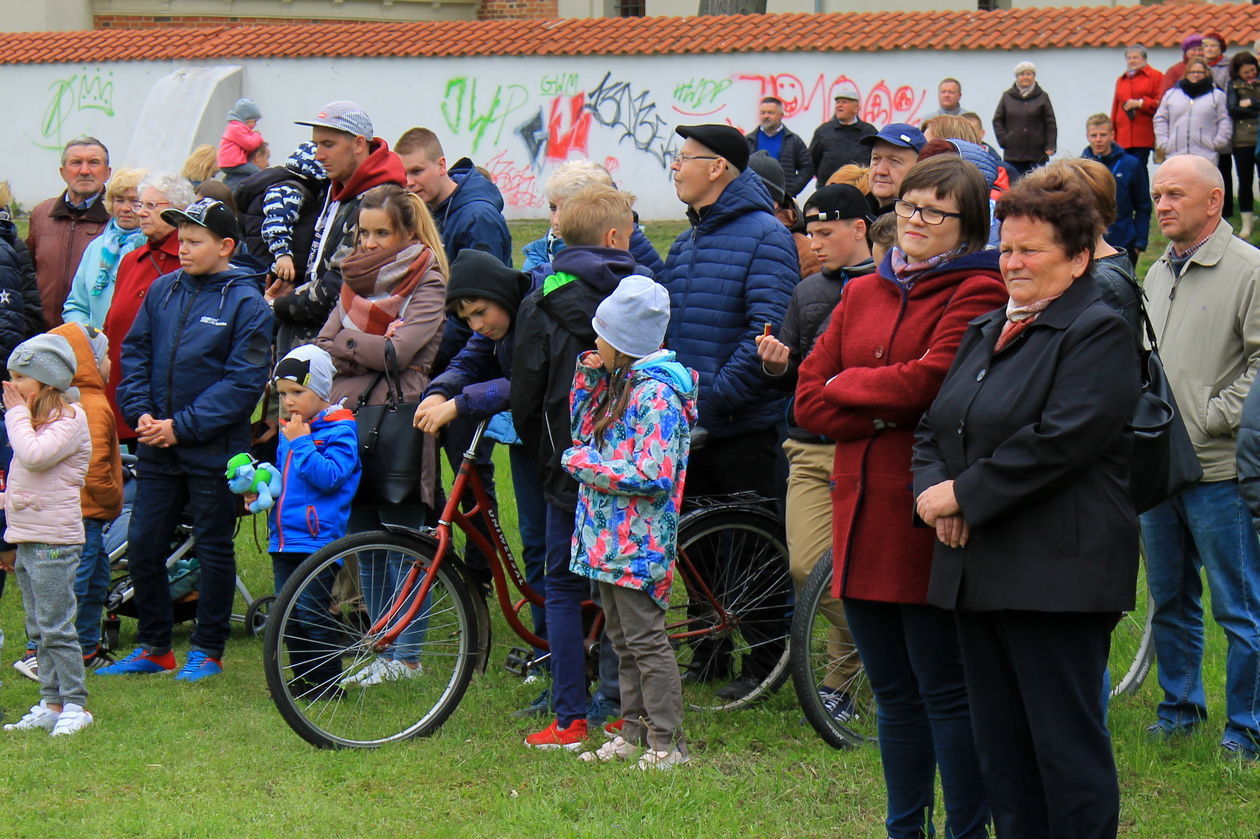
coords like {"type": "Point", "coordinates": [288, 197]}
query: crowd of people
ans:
{"type": "Point", "coordinates": [939, 350]}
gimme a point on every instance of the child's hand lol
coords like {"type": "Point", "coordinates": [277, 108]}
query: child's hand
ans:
{"type": "Point", "coordinates": [159, 433]}
{"type": "Point", "coordinates": [284, 269]}
{"type": "Point", "coordinates": [433, 413]}
{"type": "Point", "coordinates": [12, 396]}
{"type": "Point", "coordinates": [393, 328]}
{"type": "Point", "coordinates": [7, 558]}
{"type": "Point", "coordinates": [773, 354]}
{"type": "Point", "coordinates": [296, 427]}
{"type": "Point", "coordinates": [591, 360]}
{"type": "Point", "coordinates": [249, 498]}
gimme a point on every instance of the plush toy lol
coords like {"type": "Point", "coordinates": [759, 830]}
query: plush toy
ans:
{"type": "Point", "coordinates": [248, 475]}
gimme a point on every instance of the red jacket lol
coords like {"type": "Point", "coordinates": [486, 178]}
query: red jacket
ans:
{"type": "Point", "coordinates": [1139, 132]}
{"type": "Point", "coordinates": [866, 383]}
{"type": "Point", "coordinates": [136, 272]}
{"type": "Point", "coordinates": [237, 143]}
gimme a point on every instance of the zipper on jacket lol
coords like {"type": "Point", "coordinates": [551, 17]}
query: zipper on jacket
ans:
{"type": "Point", "coordinates": [170, 366]}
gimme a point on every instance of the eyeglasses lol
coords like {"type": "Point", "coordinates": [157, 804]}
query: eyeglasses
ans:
{"type": "Point", "coordinates": [137, 206]}
{"type": "Point", "coordinates": [681, 158]}
{"type": "Point", "coordinates": [930, 215]}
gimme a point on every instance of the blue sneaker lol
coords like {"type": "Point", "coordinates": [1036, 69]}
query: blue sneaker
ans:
{"type": "Point", "coordinates": [601, 709]}
{"type": "Point", "coordinates": [199, 666]}
{"type": "Point", "coordinates": [540, 707]}
{"type": "Point", "coordinates": [140, 661]}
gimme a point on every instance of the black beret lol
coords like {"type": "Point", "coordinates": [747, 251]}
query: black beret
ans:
{"type": "Point", "coordinates": [722, 140]}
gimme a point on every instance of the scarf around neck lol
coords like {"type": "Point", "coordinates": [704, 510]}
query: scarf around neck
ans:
{"type": "Point", "coordinates": [115, 244]}
{"type": "Point", "coordinates": [1019, 318]}
{"type": "Point", "coordinates": [376, 285]}
{"type": "Point", "coordinates": [906, 272]}
{"type": "Point", "coordinates": [1196, 89]}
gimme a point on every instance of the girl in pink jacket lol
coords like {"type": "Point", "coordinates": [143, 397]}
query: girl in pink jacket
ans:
{"type": "Point", "coordinates": [239, 142]}
{"type": "Point", "coordinates": [48, 432]}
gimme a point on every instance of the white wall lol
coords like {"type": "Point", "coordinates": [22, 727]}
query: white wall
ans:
{"type": "Point", "coordinates": [45, 15]}
{"type": "Point", "coordinates": [520, 116]}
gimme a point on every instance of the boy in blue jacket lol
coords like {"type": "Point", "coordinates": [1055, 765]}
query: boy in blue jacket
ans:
{"type": "Point", "coordinates": [318, 459]}
{"type": "Point", "coordinates": [193, 367]}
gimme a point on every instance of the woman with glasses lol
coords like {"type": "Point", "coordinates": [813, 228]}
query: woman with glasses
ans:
{"type": "Point", "coordinates": [1192, 118]}
{"type": "Point", "coordinates": [1021, 465]}
{"type": "Point", "coordinates": [865, 385]}
{"type": "Point", "coordinates": [157, 255]}
{"type": "Point", "coordinates": [92, 288]}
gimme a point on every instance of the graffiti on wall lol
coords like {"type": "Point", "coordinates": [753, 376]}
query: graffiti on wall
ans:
{"type": "Point", "coordinates": [85, 91]}
{"type": "Point", "coordinates": [528, 129]}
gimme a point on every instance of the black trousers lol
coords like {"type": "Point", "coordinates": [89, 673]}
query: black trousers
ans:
{"type": "Point", "coordinates": [1034, 680]}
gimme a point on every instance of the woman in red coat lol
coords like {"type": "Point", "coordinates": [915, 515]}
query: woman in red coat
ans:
{"type": "Point", "coordinates": [1133, 105]}
{"type": "Point", "coordinates": [865, 385]}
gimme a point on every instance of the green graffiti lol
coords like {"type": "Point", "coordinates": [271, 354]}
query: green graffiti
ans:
{"type": "Point", "coordinates": [466, 113]}
{"type": "Point", "coordinates": [84, 91]}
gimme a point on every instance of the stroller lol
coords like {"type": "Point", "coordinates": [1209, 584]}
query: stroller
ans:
{"type": "Point", "coordinates": [181, 568]}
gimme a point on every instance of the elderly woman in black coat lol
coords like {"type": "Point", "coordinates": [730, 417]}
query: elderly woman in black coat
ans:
{"type": "Point", "coordinates": [1021, 466]}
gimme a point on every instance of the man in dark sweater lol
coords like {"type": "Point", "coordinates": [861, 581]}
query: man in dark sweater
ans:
{"type": "Point", "coordinates": [839, 140]}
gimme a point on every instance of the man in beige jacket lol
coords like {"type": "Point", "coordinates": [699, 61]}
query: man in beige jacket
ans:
{"type": "Point", "coordinates": [1204, 301]}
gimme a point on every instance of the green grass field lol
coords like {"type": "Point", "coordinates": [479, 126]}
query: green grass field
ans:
{"type": "Point", "coordinates": [167, 759]}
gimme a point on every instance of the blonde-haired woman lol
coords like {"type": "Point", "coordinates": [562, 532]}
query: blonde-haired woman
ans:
{"type": "Point", "coordinates": [201, 165]}
{"type": "Point", "coordinates": [92, 288]}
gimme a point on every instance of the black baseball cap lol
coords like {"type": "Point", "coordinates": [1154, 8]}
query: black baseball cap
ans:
{"type": "Point", "coordinates": [723, 140]}
{"type": "Point", "coordinates": [208, 213]}
{"type": "Point", "coordinates": [837, 202]}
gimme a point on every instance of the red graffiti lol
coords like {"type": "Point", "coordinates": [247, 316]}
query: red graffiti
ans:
{"type": "Point", "coordinates": [612, 164]}
{"type": "Point", "coordinates": [517, 183]}
{"type": "Point", "coordinates": [568, 126]}
{"type": "Point", "coordinates": [880, 105]}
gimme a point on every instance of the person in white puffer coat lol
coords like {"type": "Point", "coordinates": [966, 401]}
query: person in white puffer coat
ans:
{"type": "Point", "coordinates": [1192, 117]}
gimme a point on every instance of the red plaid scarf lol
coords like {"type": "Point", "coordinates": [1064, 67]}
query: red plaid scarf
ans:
{"type": "Point", "coordinates": [376, 284]}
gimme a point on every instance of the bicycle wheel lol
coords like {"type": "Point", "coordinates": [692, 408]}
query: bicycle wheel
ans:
{"type": "Point", "coordinates": [730, 607]}
{"type": "Point", "coordinates": [824, 662]}
{"type": "Point", "coordinates": [1132, 646]}
{"type": "Point", "coordinates": [320, 649]}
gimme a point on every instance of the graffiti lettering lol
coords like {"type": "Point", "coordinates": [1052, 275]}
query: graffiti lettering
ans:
{"type": "Point", "coordinates": [79, 92]}
{"type": "Point", "coordinates": [464, 111]}
{"type": "Point", "coordinates": [698, 97]}
{"type": "Point", "coordinates": [880, 106]}
{"type": "Point", "coordinates": [518, 184]}
{"type": "Point", "coordinates": [558, 84]}
{"type": "Point", "coordinates": [568, 126]}
{"type": "Point", "coordinates": [616, 105]}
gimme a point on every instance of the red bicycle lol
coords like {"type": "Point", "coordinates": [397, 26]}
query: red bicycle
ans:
{"type": "Point", "coordinates": [404, 596]}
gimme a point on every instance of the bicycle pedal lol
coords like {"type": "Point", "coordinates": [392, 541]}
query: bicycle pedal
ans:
{"type": "Point", "coordinates": [518, 661]}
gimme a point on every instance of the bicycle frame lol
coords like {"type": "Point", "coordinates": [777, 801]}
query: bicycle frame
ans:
{"type": "Point", "coordinates": [503, 567]}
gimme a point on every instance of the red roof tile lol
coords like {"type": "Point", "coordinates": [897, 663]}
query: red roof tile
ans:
{"type": "Point", "coordinates": [1156, 26]}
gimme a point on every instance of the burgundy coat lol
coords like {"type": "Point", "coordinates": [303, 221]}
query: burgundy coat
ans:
{"type": "Point", "coordinates": [868, 380]}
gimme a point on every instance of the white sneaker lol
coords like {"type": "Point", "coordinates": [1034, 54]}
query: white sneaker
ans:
{"type": "Point", "coordinates": [40, 716]}
{"type": "Point", "coordinates": [662, 759]}
{"type": "Point", "coordinates": [28, 666]}
{"type": "Point", "coordinates": [72, 720]}
{"type": "Point", "coordinates": [368, 672]}
{"type": "Point", "coordinates": [618, 748]}
{"type": "Point", "coordinates": [391, 671]}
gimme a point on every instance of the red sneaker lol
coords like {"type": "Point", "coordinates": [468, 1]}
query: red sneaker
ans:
{"type": "Point", "coordinates": [555, 737]}
{"type": "Point", "coordinates": [612, 730]}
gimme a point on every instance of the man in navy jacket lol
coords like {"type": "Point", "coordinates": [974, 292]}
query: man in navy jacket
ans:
{"type": "Point", "coordinates": [728, 277]}
{"type": "Point", "coordinates": [1132, 226]}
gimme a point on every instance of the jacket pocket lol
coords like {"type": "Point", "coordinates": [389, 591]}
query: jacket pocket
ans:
{"type": "Point", "coordinates": [312, 520]}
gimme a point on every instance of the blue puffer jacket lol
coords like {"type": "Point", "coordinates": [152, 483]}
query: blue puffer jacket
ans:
{"type": "Point", "coordinates": [472, 217]}
{"type": "Point", "coordinates": [197, 353]}
{"type": "Point", "coordinates": [1132, 226]}
{"type": "Point", "coordinates": [12, 316]}
{"type": "Point", "coordinates": [733, 272]}
{"type": "Point", "coordinates": [319, 475]}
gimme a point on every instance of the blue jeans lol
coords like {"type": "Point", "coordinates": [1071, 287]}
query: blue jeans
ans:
{"type": "Point", "coordinates": [160, 503]}
{"type": "Point", "coordinates": [565, 593]}
{"type": "Point", "coordinates": [531, 519]}
{"type": "Point", "coordinates": [381, 573]}
{"type": "Point", "coordinates": [91, 586]}
{"type": "Point", "coordinates": [914, 664]}
{"type": "Point", "coordinates": [313, 640]}
{"type": "Point", "coordinates": [1205, 527]}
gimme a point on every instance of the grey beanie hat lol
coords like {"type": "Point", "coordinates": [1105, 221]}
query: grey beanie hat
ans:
{"type": "Point", "coordinates": [244, 109]}
{"type": "Point", "coordinates": [634, 317]}
{"type": "Point", "coordinates": [97, 341]}
{"type": "Point", "coordinates": [48, 359]}
{"type": "Point", "coordinates": [309, 366]}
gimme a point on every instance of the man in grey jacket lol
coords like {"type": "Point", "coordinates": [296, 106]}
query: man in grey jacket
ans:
{"type": "Point", "coordinates": [1204, 297]}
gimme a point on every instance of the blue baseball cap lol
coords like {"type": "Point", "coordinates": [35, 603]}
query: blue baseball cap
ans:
{"type": "Point", "coordinates": [898, 134]}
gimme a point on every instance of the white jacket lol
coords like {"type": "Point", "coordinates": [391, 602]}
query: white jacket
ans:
{"type": "Point", "coordinates": [1198, 126]}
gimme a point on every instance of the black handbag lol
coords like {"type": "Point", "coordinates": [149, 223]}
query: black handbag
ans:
{"type": "Point", "coordinates": [1163, 462]}
{"type": "Point", "coordinates": [391, 449]}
